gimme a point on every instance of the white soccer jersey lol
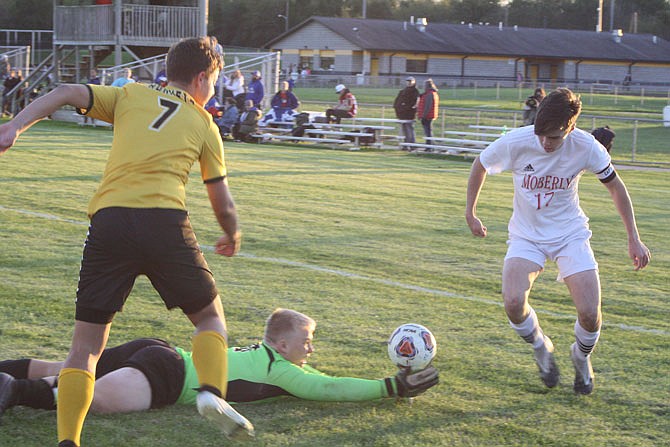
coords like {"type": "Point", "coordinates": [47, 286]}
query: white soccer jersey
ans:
{"type": "Point", "coordinates": [546, 201]}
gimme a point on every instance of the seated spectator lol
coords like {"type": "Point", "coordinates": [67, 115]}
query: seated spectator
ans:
{"type": "Point", "coordinates": [230, 116]}
{"type": "Point", "coordinates": [161, 77]}
{"type": "Point", "coordinates": [605, 136]}
{"type": "Point", "coordinates": [346, 108]}
{"type": "Point", "coordinates": [284, 103]}
{"type": "Point", "coordinates": [248, 124]}
{"type": "Point", "coordinates": [125, 79]}
{"type": "Point", "coordinates": [214, 108]}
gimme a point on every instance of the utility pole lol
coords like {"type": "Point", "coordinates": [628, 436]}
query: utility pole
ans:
{"type": "Point", "coordinates": [365, 8]}
{"type": "Point", "coordinates": [599, 24]}
{"type": "Point", "coordinates": [612, 2]}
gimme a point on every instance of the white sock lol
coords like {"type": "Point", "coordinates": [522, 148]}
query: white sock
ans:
{"type": "Point", "coordinates": [530, 330]}
{"type": "Point", "coordinates": [586, 340]}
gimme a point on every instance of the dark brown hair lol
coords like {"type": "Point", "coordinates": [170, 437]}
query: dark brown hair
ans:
{"type": "Point", "coordinates": [188, 57]}
{"type": "Point", "coordinates": [559, 110]}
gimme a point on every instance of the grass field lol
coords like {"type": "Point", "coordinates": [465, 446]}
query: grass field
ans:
{"type": "Point", "coordinates": [361, 241]}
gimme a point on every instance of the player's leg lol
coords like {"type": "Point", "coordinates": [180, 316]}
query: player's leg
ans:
{"type": "Point", "coordinates": [108, 270]}
{"type": "Point", "coordinates": [122, 391]}
{"type": "Point", "coordinates": [210, 359]}
{"type": "Point", "coordinates": [76, 380]}
{"type": "Point", "coordinates": [42, 368]}
{"type": "Point", "coordinates": [585, 291]}
{"type": "Point", "coordinates": [578, 268]}
{"type": "Point", "coordinates": [519, 274]}
{"type": "Point", "coordinates": [30, 368]}
{"type": "Point", "coordinates": [183, 279]}
{"type": "Point", "coordinates": [34, 393]}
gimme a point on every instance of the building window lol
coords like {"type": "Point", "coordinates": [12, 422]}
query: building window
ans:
{"type": "Point", "coordinates": [306, 62]}
{"type": "Point", "coordinates": [327, 63]}
{"type": "Point", "coordinates": [416, 66]}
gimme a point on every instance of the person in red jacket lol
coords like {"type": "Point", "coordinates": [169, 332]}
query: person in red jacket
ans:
{"type": "Point", "coordinates": [427, 110]}
{"type": "Point", "coordinates": [347, 107]}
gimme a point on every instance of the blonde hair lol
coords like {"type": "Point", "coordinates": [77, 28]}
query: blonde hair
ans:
{"type": "Point", "coordinates": [284, 321]}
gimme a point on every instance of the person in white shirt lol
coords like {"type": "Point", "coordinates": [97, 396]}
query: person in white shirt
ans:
{"type": "Point", "coordinates": [547, 160]}
{"type": "Point", "coordinates": [235, 83]}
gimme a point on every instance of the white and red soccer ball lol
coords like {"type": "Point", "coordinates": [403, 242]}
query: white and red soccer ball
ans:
{"type": "Point", "coordinates": [412, 345]}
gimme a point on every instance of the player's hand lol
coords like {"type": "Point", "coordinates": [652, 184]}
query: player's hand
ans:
{"type": "Point", "coordinates": [228, 245]}
{"type": "Point", "coordinates": [412, 384]}
{"type": "Point", "coordinates": [639, 253]}
{"type": "Point", "coordinates": [476, 226]}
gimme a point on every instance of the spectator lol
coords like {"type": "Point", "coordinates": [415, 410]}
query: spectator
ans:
{"type": "Point", "coordinates": [284, 103]}
{"type": "Point", "coordinates": [531, 105]}
{"type": "Point", "coordinates": [405, 108]}
{"type": "Point", "coordinates": [428, 109]}
{"type": "Point", "coordinates": [235, 84]}
{"type": "Point", "coordinates": [161, 77]}
{"type": "Point", "coordinates": [230, 117]}
{"type": "Point", "coordinates": [346, 108]}
{"type": "Point", "coordinates": [248, 124]}
{"type": "Point", "coordinates": [255, 91]}
{"type": "Point", "coordinates": [125, 79]}
{"type": "Point", "coordinates": [93, 79]}
{"type": "Point", "coordinates": [605, 136]}
{"type": "Point", "coordinates": [12, 80]}
{"type": "Point", "coordinates": [5, 67]}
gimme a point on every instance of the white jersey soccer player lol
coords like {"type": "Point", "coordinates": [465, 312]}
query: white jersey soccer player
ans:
{"type": "Point", "coordinates": [547, 161]}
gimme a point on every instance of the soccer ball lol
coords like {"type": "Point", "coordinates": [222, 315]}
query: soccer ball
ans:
{"type": "Point", "coordinates": [412, 345]}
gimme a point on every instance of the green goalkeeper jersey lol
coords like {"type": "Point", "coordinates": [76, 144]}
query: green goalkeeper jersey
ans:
{"type": "Point", "coordinates": [259, 372]}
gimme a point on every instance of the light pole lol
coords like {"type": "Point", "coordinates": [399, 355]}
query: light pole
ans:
{"type": "Point", "coordinates": [285, 21]}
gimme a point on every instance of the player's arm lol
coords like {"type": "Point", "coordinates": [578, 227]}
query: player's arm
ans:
{"type": "Point", "coordinates": [475, 183]}
{"type": "Point", "coordinates": [65, 94]}
{"type": "Point", "coordinates": [637, 251]}
{"type": "Point", "coordinates": [308, 383]}
{"type": "Point", "coordinates": [224, 209]}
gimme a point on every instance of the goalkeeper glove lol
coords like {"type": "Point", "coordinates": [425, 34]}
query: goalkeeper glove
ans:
{"type": "Point", "coordinates": [410, 384]}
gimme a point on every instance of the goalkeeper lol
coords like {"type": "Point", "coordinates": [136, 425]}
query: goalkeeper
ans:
{"type": "Point", "coordinates": [149, 373]}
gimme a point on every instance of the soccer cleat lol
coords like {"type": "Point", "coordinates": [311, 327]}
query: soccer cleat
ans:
{"type": "Point", "coordinates": [7, 390]}
{"type": "Point", "coordinates": [544, 357]}
{"type": "Point", "coordinates": [583, 371]}
{"type": "Point", "coordinates": [217, 410]}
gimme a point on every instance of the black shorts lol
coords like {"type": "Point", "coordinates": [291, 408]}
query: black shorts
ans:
{"type": "Point", "coordinates": [156, 359]}
{"type": "Point", "coordinates": [123, 243]}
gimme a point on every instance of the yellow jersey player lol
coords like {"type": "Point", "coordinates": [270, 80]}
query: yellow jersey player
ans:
{"type": "Point", "coordinates": [139, 224]}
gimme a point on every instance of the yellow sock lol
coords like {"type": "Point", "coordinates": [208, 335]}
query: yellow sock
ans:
{"type": "Point", "coordinates": [210, 359]}
{"type": "Point", "coordinates": [75, 394]}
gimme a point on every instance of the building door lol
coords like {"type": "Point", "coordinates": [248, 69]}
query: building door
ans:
{"type": "Point", "coordinates": [374, 66]}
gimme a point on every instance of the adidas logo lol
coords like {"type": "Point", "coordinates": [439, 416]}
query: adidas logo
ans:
{"type": "Point", "coordinates": [529, 168]}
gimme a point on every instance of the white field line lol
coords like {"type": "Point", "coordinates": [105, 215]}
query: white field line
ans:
{"type": "Point", "coordinates": [386, 282]}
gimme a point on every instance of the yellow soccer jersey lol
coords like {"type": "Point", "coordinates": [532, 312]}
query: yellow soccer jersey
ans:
{"type": "Point", "coordinates": [159, 132]}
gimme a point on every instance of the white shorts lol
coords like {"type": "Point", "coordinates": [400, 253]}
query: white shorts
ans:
{"type": "Point", "coordinates": [572, 256]}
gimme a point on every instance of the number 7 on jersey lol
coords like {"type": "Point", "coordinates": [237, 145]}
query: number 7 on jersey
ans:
{"type": "Point", "coordinates": [169, 108]}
